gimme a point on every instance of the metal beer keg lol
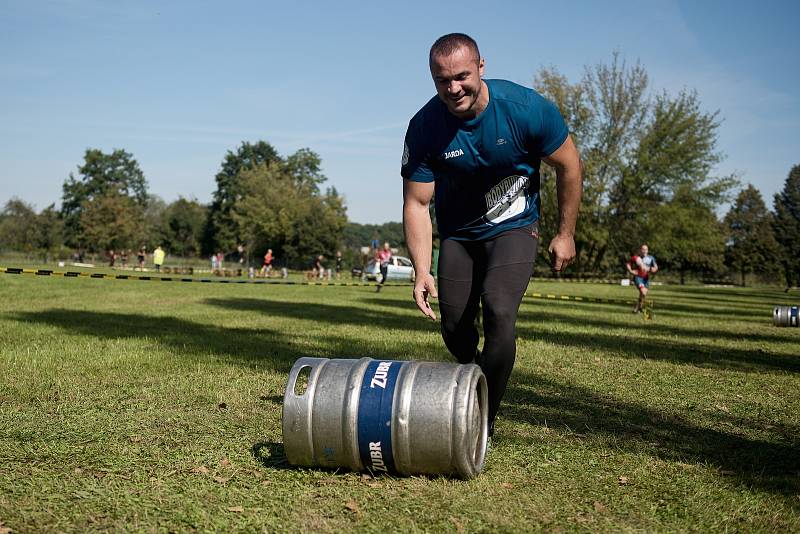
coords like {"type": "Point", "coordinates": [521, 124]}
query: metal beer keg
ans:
{"type": "Point", "coordinates": [785, 316]}
{"type": "Point", "coordinates": [386, 416]}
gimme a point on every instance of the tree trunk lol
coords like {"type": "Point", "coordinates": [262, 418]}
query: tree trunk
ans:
{"type": "Point", "coordinates": [683, 275]}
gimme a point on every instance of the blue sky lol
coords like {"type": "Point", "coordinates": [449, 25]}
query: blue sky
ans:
{"type": "Point", "coordinates": [178, 84]}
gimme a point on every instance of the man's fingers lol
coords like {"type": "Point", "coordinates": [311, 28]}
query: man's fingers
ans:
{"type": "Point", "coordinates": [559, 264]}
{"type": "Point", "coordinates": [422, 303]}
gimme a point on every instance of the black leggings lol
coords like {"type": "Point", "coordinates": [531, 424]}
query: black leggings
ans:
{"type": "Point", "coordinates": [495, 273]}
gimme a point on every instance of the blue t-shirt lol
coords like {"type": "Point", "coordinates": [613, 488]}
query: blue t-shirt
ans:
{"type": "Point", "coordinates": [486, 169]}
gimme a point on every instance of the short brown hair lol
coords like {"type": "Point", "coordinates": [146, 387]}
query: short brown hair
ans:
{"type": "Point", "coordinates": [447, 44]}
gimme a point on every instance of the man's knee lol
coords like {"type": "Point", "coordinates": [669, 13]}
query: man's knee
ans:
{"type": "Point", "coordinates": [462, 342]}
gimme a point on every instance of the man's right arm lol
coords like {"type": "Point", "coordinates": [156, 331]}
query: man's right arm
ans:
{"type": "Point", "coordinates": [417, 227]}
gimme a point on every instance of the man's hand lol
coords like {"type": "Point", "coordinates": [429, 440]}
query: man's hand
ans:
{"type": "Point", "coordinates": [425, 287]}
{"type": "Point", "coordinates": [562, 251]}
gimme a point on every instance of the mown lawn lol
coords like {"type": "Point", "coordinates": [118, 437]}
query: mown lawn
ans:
{"type": "Point", "coordinates": [153, 406]}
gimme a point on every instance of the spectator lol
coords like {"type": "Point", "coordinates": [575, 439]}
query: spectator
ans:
{"type": "Point", "coordinates": [338, 264]}
{"type": "Point", "coordinates": [319, 267]}
{"type": "Point", "coordinates": [266, 268]}
{"type": "Point", "coordinates": [140, 257]}
{"type": "Point", "coordinates": [158, 258]}
{"type": "Point", "coordinates": [383, 257]}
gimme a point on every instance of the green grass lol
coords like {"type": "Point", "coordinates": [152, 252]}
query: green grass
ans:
{"type": "Point", "coordinates": [152, 406]}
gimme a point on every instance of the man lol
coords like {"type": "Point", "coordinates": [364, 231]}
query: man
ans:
{"type": "Point", "coordinates": [338, 264]}
{"type": "Point", "coordinates": [478, 144]}
{"type": "Point", "coordinates": [640, 266]}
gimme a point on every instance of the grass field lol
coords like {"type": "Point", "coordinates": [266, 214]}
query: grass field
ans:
{"type": "Point", "coordinates": [151, 406]}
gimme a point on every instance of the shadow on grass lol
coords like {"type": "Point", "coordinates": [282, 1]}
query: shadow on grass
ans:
{"type": "Point", "coordinates": [707, 354]}
{"type": "Point", "coordinates": [530, 398]}
{"type": "Point", "coordinates": [257, 346]}
{"type": "Point", "coordinates": [271, 454]}
{"type": "Point", "coordinates": [772, 465]}
{"type": "Point", "coordinates": [620, 319]}
{"type": "Point", "coordinates": [764, 295]}
{"type": "Point", "coordinates": [615, 335]}
{"type": "Point", "coordinates": [327, 313]}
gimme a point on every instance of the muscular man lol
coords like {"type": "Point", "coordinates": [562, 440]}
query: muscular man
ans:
{"type": "Point", "coordinates": [640, 266]}
{"type": "Point", "coordinates": [478, 145]}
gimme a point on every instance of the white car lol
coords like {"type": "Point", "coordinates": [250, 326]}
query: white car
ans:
{"type": "Point", "coordinates": [400, 269]}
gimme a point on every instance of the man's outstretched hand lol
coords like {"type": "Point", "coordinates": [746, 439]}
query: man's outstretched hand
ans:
{"type": "Point", "coordinates": [425, 287]}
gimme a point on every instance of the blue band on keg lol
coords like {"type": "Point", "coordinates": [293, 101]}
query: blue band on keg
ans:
{"type": "Point", "coordinates": [793, 316]}
{"type": "Point", "coordinates": [375, 415]}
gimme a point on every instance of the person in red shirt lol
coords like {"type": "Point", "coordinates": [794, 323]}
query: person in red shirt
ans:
{"type": "Point", "coordinates": [641, 265]}
{"type": "Point", "coordinates": [266, 268]}
{"type": "Point", "coordinates": [383, 257]}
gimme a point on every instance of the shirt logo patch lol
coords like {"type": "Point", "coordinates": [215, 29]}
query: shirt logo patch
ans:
{"type": "Point", "coordinates": [501, 141]}
{"type": "Point", "coordinates": [453, 153]}
{"type": "Point", "coordinates": [405, 154]}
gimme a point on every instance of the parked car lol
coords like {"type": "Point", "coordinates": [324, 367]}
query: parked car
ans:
{"type": "Point", "coordinates": [400, 269]}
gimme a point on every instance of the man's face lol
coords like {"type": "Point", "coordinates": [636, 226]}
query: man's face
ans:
{"type": "Point", "coordinates": [644, 250]}
{"type": "Point", "coordinates": [458, 82]}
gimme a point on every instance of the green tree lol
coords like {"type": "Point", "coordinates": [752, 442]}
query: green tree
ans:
{"type": "Point", "coordinates": [18, 228]}
{"type": "Point", "coordinates": [111, 221]}
{"type": "Point", "coordinates": [637, 152]}
{"type": "Point", "coordinates": [751, 244]}
{"type": "Point", "coordinates": [605, 112]}
{"type": "Point", "coordinates": [685, 235]}
{"type": "Point", "coordinates": [672, 161]}
{"type": "Point", "coordinates": [183, 222]}
{"type": "Point", "coordinates": [304, 166]}
{"type": "Point", "coordinates": [49, 233]}
{"type": "Point", "coordinates": [221, 231]}
{"type": "Point", "coordinates": [154, 230]}
{"type": "Point", "coordinates": [292, 219]}
{"type": "Point", "coordinates": [101, 175]}
{"type": "Point", "coordinates": [787, 226]}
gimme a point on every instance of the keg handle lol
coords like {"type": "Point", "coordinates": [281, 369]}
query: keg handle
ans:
{"type": "Point", "coordinates": [302, 366]}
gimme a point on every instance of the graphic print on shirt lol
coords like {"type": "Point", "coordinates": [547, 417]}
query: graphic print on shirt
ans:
{"type": "Point", "coordinates": [507, 199]}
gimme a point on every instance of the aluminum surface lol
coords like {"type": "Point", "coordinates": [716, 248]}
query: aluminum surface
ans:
{"type": "Point", "coordinates": [785, 316]}
{"type": "Point", "coordinates": [434, 414]}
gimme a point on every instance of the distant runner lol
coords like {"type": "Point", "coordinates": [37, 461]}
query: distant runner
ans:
{"type": "Point", "coordinates": [641, 266]}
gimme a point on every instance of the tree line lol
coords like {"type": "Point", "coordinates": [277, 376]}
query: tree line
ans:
{"type": "Point", "coordinates": [262, 201]}
{"type": "Point", "coordinates": [648, 161]}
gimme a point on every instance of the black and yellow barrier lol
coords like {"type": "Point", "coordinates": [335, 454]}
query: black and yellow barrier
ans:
{"type": "Point", "coordinates": [568, 280]}
{"type": "Point", "coordinates": [647, 312]}
{"type": "Point", "coordinates": [110, 276]}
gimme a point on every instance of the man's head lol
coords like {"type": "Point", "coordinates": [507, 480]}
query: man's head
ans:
{"type": "Point", "coordinates": [456, 68]}
{"type": "Point", "coordinates": [386, 246]}
{"type": "Point", "coordinates": [644, 250]}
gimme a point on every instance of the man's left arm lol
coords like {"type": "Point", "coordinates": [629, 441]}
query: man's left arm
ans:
{"type": "Point", "coordinates": [569, 184]}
